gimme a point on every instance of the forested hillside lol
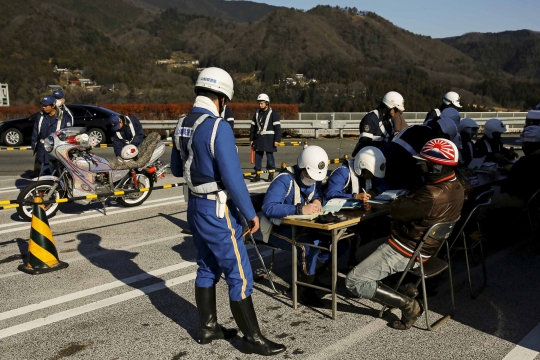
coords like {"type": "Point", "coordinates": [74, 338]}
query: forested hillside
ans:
{"type": "Point", "coordinates": [355, 57]}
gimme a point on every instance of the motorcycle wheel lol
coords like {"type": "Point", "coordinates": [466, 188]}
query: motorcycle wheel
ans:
{"type": "Point", "coordinates": [38, 188]}
{"type": "Point", "coordinates": [135, 199]}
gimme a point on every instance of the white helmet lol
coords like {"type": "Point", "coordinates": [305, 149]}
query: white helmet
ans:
{"type": "Point", "coordinates": [448, 126]}
{"type": "Point", "coordinates": [315, 160]}
{"type": "Point", "coordinates": [129, 152]}
{"type": "Point", "coordinates": [453, 98]}
{"type": "Point", "coordinates": [372, 159]}
{"type": "Point", "coordinates": [394, 99]}
{"type": "Point", "coordinates": [468, 123]}
{"type": "Point", "coordinates": [451, 113]}
{"type": "Point", "coordinates": [530, 134]}
{"type": "Point", "coordinates": [263, 97]}
{"type": "Point", "coordinates": [216, 80]}
{"type": "Point", "coordinates": [494, 125]}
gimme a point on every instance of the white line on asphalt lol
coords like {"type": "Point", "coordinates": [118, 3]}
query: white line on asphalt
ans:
{"type": "Point", "coordinates": [9, 189]}
{"type": "Point", "coordinates": [15, 179]}
{"type": "Point", "coordinates": [51, 319]}
{"type": "Point", "coordinates": [95, 290]}
{"type": "Point", "coordinates": [528, 348]}
{"type": "Point", "coordinates": [102, 253]}
{"type": "Point", "coordinates": [344, 344]}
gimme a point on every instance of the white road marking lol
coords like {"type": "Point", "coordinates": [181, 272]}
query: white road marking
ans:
{"type": "Point", "coordinates": [10, 189]}
{"type": "Point", "coordinates": [67, 314]}
{"type": "Point", "coordinates": [528, 348]}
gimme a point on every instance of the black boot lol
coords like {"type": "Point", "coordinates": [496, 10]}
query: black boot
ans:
{"type": "Point", "coordinates": [410, 308]}
{"type": "Point", "coordinates": [210, 329]}
{"type": "Point", "coordinates": [256, 178]}
{"type": "Point", "coordinates": [253, 341]}
{"type": "Point", "coordinates": [308, 295]}
{"type": "Point", "coordinates": [271, 176]}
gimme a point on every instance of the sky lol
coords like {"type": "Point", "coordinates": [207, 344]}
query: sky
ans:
{"type": "Point", "coordinates": [438, 18]}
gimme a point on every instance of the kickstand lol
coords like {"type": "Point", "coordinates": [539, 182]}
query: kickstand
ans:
{"type": "Point", "coordinates": [104, 208]}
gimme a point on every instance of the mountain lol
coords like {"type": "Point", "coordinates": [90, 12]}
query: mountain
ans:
{"type": "Point", "coordinates": [515, 52]}
{"type": "Point", "coordinates": [240, 11]}
{"type": "Point", "coordinates": [354, 56]}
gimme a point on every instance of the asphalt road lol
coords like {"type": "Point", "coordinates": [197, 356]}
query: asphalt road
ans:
{"type": "Point", "coordinates": [128, 292]}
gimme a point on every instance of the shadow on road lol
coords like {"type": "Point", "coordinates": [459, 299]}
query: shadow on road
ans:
{"type": "Point", "coordinates": [121, 265]}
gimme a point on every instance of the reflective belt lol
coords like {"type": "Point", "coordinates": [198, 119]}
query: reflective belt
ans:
{"type": "Point", "coordinates": [181, 131]}
{"type": "Point", "coordinates": [130, 128]}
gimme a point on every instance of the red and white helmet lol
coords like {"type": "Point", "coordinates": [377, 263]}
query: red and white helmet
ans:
{"type": "Point", "coordinates": [129, 152]}
{"type": "Point", "coordinates": [440, 151]}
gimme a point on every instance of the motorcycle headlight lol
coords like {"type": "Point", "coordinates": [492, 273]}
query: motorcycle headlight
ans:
{"type": "Point", "coordinates": [48, 144]}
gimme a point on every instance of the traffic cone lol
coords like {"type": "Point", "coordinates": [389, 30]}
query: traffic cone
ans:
{"type": "Point", "coordinates": [42, 255]}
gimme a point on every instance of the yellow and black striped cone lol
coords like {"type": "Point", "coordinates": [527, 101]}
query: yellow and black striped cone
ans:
{"type": "Point", "coordinates": [42, 255]}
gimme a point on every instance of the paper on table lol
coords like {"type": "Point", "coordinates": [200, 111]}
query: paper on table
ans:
{"type": "Point", "coordinates": [390, 195]}
{"type": "Point", "coordinates": [476, 162]}
{"type": "Point", "coordinates": [334, 205]}
{"type": "Point", "coordinates": [305, 217]}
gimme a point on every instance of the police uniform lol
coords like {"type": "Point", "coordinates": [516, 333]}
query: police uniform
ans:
{"type": "Point", "coordinates": [376, 129]}
{"type": "Point", "coordinates": [44, 126]}
{"type": "Point", "coordinates": [344, 183]}
{"type": "Point", "coordinates": [286, 196]}
{"type": "Point", "coordinates": [228, 116]}
{"type": "Point", "coordinates": [203, 144]}
{"type": "Point", "coordinates": [433, 114]}
{"type": "Point", "coordinates": [265, 130]}
{"type": "Point", "coordinates": [466, 153]}
{"type": "Point", "coordinates": [130, 133]}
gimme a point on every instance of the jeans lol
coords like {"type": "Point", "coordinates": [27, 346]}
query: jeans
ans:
{"type": "Point", "coordinates": [270, 162]}
{"type": "Point", "coordinates": [383, 262]}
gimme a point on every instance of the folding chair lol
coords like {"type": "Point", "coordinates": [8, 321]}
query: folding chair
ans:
{"type": "Point", "coordinates": [481, 200]}
{"type": "Point", "coordinates": [432, 267]}
{"type": "Point", "coordinates": [533, 208]}
{"type": "Point", "coordinates": [257, 200]}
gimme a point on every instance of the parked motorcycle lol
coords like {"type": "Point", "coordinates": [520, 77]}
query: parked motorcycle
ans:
{"type": "Point", "coordinates": [79, 172]}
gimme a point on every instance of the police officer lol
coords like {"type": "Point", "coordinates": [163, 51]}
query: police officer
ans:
{"type": "Point", "coordinates": [490, 145]}
{"type": "Point", "coordinates": [46, 124]}
{"type": "Point", "coordinates": [297, 191]}
{"type": "Point", "coordinates": [264, 136]}
{"type": "Point", "coordinates": [450, 100]}
{"type": "Point", "coordinates": [533, 117]}
{"type": "Point", "coordinates": [61, 108]}
{"type": "Point", "coordinates": [228, 116]}
{"type": "Point", "coordinates": [127, 130]}
{"type": "Point", "coordinates": [376, 127]}
{"type": "Point", "coordinates": [468, 129]}
{"type": "Point", "coordinates": [203, 144]}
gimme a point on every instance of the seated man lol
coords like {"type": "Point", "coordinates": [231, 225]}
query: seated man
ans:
{"type": "Point", "coordinates": [491, 146]}
{"type": "Point", "coordinates": [128, 131]}
{"type": "Point", "coordinates": [468, 128]}
{"type": "Point", "coordinates": [359, 179]}
{"type": "Point", "coordinates": [439, 200]}
{"type": "Point", "coordinates": [297, 191]}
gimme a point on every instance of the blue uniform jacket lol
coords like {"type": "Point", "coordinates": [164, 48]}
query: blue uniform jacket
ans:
{"type": "Point", "coordinates": [339, 178]}
{"type": "Point", "coordinates": [49, 125]}
{"type": "Point", "coordinates": [134, 139]}
{"type": "Point", "coordinates": [371, 133]}
{"type": "Point", "coordinates": [224, 169]}
{"type": "Point", "coordinates": [277, 205]}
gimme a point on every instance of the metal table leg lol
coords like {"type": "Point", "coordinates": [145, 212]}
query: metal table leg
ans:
{"type": "Point", "coordinates": [294, 272]}
{"type": "Point", "coordinates": [334, 273]}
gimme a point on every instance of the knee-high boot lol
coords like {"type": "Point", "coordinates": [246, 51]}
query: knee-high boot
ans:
{"type": "Point", "coordinates": [253, 341]}
{"type": "Point", "coordinates": [410, 308]}
{"type": "Point", "coordinates": [210, 329]}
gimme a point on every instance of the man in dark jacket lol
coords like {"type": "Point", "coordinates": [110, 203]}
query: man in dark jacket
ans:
{"type": "Point", "coordinates": [46, 124]}
{"type": "Point", "coordinates": [491, 146]}
{"type": "Point", "coordinates": [439, 200]}
{"type": "Point", "coordinates": [127, 130]}
{"type": "Point", "coordinates": [265, 136]}
{"type": "Point", "coordinates": [376, 128]}
{"type": "Point", "coordinates": [450, 100]}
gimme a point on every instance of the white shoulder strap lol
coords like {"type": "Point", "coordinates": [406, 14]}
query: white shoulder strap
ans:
{"type": "Point", "coordinates": [39, 124]}
{"type": "Point", "coordinates": [489, 149]}
{"type": "Point", "coordinates": [438, 112]}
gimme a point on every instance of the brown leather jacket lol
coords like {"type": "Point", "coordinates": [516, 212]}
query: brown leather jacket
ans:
{"type": "Point", "coordinates": [414, 215]}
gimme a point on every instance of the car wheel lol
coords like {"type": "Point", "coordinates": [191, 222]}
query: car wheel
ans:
{"type": "Point", "coordinates": [12, 137]}
{"type": "Point", "coordinates": [98, 134]}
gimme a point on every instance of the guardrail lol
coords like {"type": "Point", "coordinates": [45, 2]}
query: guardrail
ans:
{"type": "Point", "coordinates": [315, 124]}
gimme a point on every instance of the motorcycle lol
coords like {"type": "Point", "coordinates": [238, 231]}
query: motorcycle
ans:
{"type": "Point", "coordinates": [78, 172]}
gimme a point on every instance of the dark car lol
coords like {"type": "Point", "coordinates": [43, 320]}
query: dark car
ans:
{"type": "Point", "coordinates": [94, 118]}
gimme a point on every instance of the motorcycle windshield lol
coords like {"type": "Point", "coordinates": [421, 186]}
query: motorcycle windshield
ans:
{"type": "Point", "coordinates": [73, 131]}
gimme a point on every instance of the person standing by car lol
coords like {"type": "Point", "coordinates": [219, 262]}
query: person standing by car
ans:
{"type": "Point", "coordinates": [127, 130]}
{"type": "Point", "coordinates": [264, 136]}
{"type": "Point", "coordinates": [46, 124]}
{"type": "Point", "coordinates": [61, 108]}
